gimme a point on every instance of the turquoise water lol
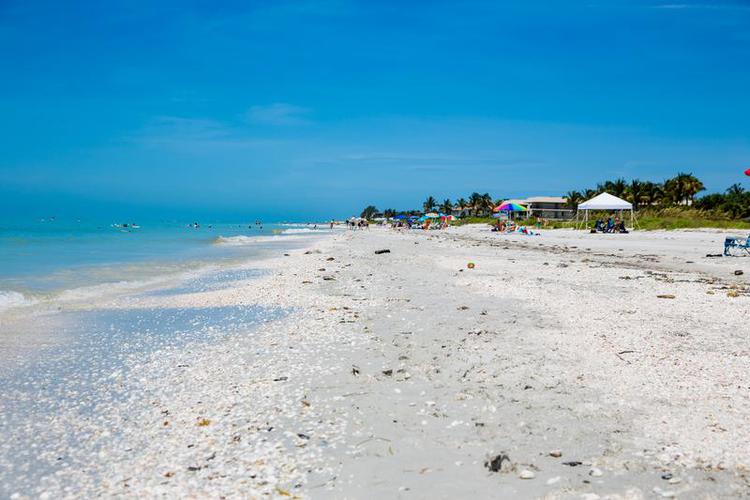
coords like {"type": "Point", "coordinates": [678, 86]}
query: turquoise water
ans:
{"type": "Point", "coordinates": [43, 257]}
{"type": "Point", "coordinates": [70, 374]}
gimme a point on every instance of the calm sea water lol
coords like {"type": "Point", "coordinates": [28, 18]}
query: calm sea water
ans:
{"type": "Point", "coordinates": [42, 258]}
{"type": "Point", "coordinates": [68, 374]}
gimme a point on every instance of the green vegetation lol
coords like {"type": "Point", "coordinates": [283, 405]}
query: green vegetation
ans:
{"type": "Point", "coordinates": [672, 204]}
{"type": "Point", "coordinates": [667, 218]}
{"type": "Point", "coordinates": [687, 218]}
{"type": "Point", "coordinates": [679, 190]}
{"type": "Point", "coordinates": [734, 202]}
{"type": "Point", "coordinates": [369, 212]}
{"type": "Point", "coordinates": [429, 204]}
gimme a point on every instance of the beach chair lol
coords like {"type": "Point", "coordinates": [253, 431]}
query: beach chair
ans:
{"type": "Point", "coordinates": [733, 245]}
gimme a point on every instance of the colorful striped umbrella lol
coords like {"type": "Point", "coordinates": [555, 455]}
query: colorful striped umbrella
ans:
{"type": "Point", "coordinates": [507, 206]}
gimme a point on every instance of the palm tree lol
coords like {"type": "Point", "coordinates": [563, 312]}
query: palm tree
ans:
{"type": "Point", "coordinates": [682, 188]}
{"type": "Point", "coordinates": [461, 204]}
{"type": "Point", "coordinates": [369, 212]}
{"type": "Point", "coordinates": [635, 192]}
{"type": "Point", "coordinates": [486, 203]}
{"type": "Point", "coordinates": [573, 199]}
{"type": "Point", "coordinates": [618, 187]}
{"type": "Point", "coordinates": [735, 190]}
{"type": "Point", "coordinates": [673, 193]}
{"type": "Point", "coordinates": [590, 193]}
{"type": "Point", "coordinates": [475, 200]}
{"type": "Point", "coordinates": [429, 204]}
{"type": "Point", "coordinates": [652, 193]}
{"type": "Point", "coordinates": [446, 206]}
{"type": "Point", "coordinates": [691, 186]}
{"type": "Point", "coordinates": [389, 212]}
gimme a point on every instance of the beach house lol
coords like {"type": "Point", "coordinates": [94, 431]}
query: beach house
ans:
{"type": "Point", "coordinates": [549, 207]}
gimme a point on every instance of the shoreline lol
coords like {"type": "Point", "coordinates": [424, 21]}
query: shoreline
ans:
{"type": "Point", "coordinates": [401, 374]}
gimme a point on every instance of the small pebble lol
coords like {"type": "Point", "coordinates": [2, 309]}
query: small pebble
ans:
{"type": "Point", "coordinates": [555, 453]}
{"type": "Point", "coordinates": [553, 480]}
{"type": "Point", "coordinates": [595, 472]}
{"type": "Point", "coordinates": [527, 474]}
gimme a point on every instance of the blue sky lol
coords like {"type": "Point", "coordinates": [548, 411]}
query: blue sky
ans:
{"type": "Point", "coordinates": [297, 109]}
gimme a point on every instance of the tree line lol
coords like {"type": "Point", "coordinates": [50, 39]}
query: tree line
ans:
{"type": "Point", "coordinates": [680, 190]}
{"type": "Point", "coordinates": [477, 204]}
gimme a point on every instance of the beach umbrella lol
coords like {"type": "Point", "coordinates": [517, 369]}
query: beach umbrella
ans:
{"type": "Point", "coordinates": [509, 207]}
{"type": "Point", "coordinates": [402, 216]}
{"type": "Point", "coordinates": [747, 172]}
{"type": "Point", "coordinates": [431, 215]}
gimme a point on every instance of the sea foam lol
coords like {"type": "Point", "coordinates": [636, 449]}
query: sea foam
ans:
{"type": "Point", "coordinates": [9, 298]}
{"type": "Point", "coordinates": [243, 240]}
{"type": "Point", "coordinates": [303, 230]}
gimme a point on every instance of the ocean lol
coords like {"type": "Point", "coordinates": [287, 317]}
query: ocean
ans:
{"type": "Point", "coordinates": [44, 259]}
{"type": "Point", "coordinates": [68, 359]}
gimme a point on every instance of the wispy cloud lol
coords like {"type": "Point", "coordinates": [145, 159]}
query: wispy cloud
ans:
{"type": "Point", "coordinates": [279, 113]}
{"type": "Point", "coordinates": [702, 6]}
{"type": "Point", "coordinates": [191, 133]}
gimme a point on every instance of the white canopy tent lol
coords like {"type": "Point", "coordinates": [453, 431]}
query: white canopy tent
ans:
{"type": "Point", "coordinates": [603, 202]}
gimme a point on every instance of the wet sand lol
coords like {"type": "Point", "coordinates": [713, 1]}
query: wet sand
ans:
{"type": "Point", "coordinates": [400, 375]}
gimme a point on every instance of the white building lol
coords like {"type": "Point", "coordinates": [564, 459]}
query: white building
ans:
{"type": "Point", "coordinates": [548, 207]}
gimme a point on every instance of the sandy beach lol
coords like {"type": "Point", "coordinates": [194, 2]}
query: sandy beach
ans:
{"type": "Point", "coordinates": [577, 365]}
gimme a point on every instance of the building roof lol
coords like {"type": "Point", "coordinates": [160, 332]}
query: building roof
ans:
{"type": "Point", "coordinates": [605, 201]}
{"type": "Point", "coordinates": [546, 199]}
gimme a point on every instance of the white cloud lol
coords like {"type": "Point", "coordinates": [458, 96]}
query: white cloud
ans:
{"type": "Point", "coordinates": [278, 113]}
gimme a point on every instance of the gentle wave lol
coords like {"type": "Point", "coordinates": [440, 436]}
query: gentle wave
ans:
{"type": "Point", "coordinates": [102, 289]}
{"type": "Point", "coordinates": [303, 230]}
{"type": "Point", "coordinates": [10, 299]}
{"type": "Point", "coordinates": [243, 240]}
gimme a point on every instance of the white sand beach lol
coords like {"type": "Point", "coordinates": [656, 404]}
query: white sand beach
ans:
{"type": "Point", "coordinates": [400, 375]}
